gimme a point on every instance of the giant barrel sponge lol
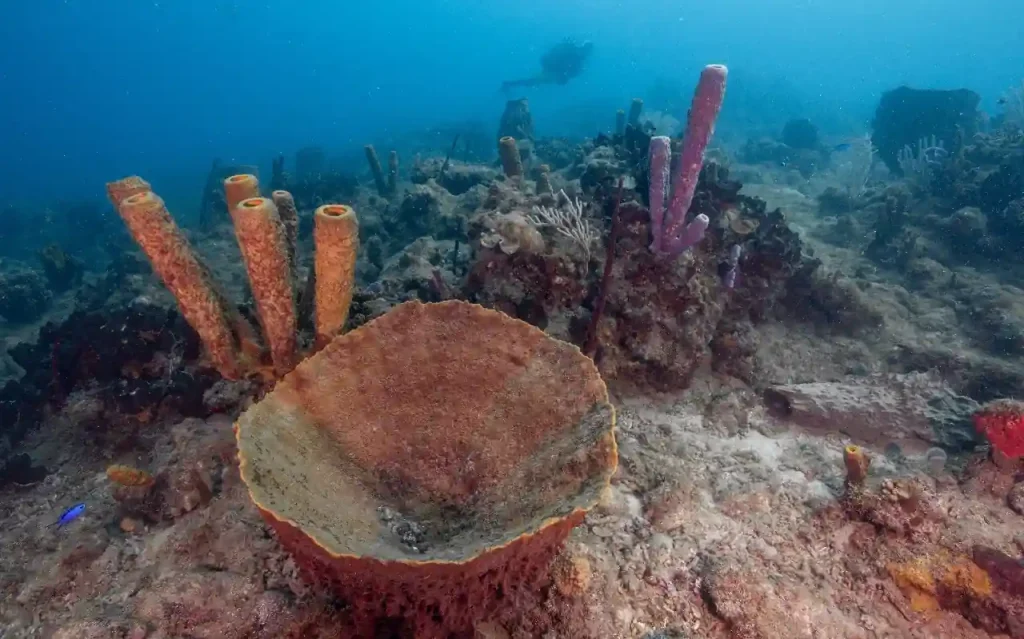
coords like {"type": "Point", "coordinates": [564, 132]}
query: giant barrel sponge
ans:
{"type": "Point", "coordinates": [427, 466]}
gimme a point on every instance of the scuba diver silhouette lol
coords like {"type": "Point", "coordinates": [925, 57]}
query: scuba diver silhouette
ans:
{"type": "Point", "coordinates": [561, 63]}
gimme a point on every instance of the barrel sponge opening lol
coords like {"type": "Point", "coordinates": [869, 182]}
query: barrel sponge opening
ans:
{"type": "Point", "coordinates": [428, 465]}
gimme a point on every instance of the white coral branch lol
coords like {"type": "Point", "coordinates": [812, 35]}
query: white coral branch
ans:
{"type": "Point", "coordinates": [569, 222]}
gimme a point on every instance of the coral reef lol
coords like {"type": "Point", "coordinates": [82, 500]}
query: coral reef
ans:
{"type": "Point", "coordinates": [825, 333]}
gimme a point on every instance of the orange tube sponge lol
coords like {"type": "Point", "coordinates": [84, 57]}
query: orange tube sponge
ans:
{"type": "Point", "coordinates": [511, 161]}
{"type": "Point", "coordinates": [261, 238]}
{"type": "Point", "coordinates": [240, 187]}
{"type": "Point", "coordinates": [175, 262]}
{"type": "Point", "coordinates": [336, 238]}
{"type": "Point", "coordinates": [386, 462]}
{"type": "Point", "coordinates": [857, 463]}
{"type": "Point", "coordinates": [123, 189]}
{"type": "Point", "coordinates": [285, 204]}
{"type": "Point", "coordinates": [544, 179]}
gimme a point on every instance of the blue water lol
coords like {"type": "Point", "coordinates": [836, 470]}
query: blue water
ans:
{"type": "Point", "coordinates": [95, 90]}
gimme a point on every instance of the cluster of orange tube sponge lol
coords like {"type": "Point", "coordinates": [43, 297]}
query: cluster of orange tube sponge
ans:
{"type": "Point", "coordinates": [428, 465]}
{"type": "Point", "coordinates": [267, 231]}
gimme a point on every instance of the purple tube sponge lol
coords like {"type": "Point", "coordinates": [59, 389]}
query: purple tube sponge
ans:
{"type": "Point", "coordinates": [689, 236]}
{"type": "Point", "coordinates": [671, 233]}
{"type": "Point", "coordinates": [660, 167]}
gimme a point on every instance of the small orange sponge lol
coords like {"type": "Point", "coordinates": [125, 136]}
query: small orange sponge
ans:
{"type": "Point", "coordinates": [128, 476]}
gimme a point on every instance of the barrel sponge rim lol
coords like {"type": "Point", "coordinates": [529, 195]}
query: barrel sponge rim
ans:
{"type": "Point", "coordinates": [538, 531]}
{"type": "Point", "coordinates": [241, 177]}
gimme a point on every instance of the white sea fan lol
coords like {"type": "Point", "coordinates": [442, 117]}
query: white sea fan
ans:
{"type": "Point", "coordinates": [569, 222]}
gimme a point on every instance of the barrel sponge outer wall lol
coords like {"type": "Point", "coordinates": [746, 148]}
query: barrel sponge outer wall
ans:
{"type": "Point", "coordinates": [486, 436]}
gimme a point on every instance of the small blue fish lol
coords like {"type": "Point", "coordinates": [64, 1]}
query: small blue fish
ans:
{"type": "Point", "coordinates": [845, 146]}
{"type": "Point", "coordinates": [69, 515]}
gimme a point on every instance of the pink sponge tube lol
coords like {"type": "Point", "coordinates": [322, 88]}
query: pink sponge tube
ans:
{"type": "Point", "coordinates": [700, 125]}
{"type": "Point", "coordinates": [661, 163]}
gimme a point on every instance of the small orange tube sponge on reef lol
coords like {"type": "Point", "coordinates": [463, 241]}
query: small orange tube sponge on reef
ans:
{"type": "Point", "coordinates": [261, 238]}
{"type": "Point", "coordinates": [428, 465]}
{"type": "Point", "coordinates": [183, 274]}
{"type": "Point", "coordinates": [1002, 423]}
{"type": "Point", "coordinates": [240, 187]}
{"type": "Point", "coordinates": [336, 239]}
{"type": "Point", "coordinates": [857, 463]}
{"type": "Point", "coordinates": [511, 161]}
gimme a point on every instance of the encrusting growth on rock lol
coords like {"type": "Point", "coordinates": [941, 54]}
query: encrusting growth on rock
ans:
{"type": "Point", "coordinates": [1002, 423]}
{"type": "Point", "coordinates": [128, 476]}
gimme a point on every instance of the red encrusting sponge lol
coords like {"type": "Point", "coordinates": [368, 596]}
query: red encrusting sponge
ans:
{"type": "Point", "coordinates": [1002, 423]}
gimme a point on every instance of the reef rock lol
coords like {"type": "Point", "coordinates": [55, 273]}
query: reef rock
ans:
{"type": "Point", "coordinates": [911, 410]}
{"type": "Point", "coordinates": [24, 295]}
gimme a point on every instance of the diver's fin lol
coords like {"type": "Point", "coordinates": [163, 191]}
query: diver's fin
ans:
{"type": "Point", "coordinates": [525, 82]}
